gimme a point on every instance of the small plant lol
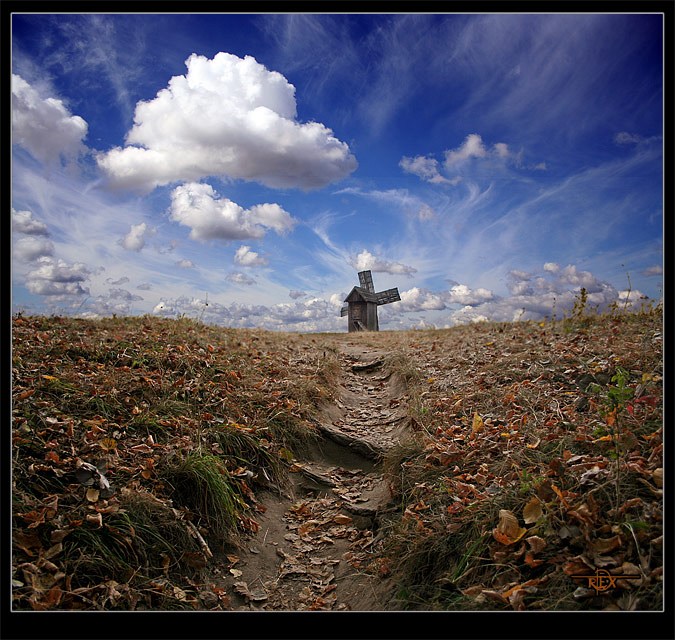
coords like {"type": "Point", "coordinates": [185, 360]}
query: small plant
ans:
{"type": "Point", "coordinates": [614, 402]}
{"type": "Point", "coordinates": [204, 485]}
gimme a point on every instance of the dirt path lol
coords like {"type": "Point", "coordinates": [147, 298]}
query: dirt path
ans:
{"type": "Point", "coordinates": [312, 550]}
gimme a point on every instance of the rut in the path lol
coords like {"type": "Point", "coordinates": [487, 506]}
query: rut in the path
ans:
{"type": "Point", "coordinates": [312, 550]}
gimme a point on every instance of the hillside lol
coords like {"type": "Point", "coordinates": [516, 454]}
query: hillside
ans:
{"type": "Point", "coordinates": [165, 464]}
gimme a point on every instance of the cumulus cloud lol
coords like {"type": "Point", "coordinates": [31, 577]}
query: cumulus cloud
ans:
{"type": "Point", "coordinates": [365, 261]}
{"type": "Point", "coordinates": [534, 297]}
{"type": "Point", "coordinates": [122, 280]}
{"type": "Point", "coordinates": [461, 294]}
{"type": "Point", "coordinates": [429, 169]}
{"type": "Point", "coordinates": [247, 258]}
{"type": "Point", "coordinates": [44, 126]}
{"type": "Point", "coordinates": [518, 282]}
{"type": "Point", "coordinates": [185, 264]}
{"type": "Point", "coordinates": [55, 277]}
{"type": "Point", "coordinates": [570, 275]}
{"type": "Point", "coordinates": [240, 278]}
{"type": "Point", "coordinates": [30, 248]}
{"type": "Point", "coordinates": [316, 314]}
{"type": "Point", "coordinates": [632, 297]}
{"type": "Point", "coordinates": [226, 116]}
{"type": "Point", "coordinates": [472, 147]}
{"type": "Point", "coordinates": [425, 168]}
{"type": "Point", "coordinates": [210, 217]}
{"type": "Point", "coordinates": [123, 294]}
{"type": "Point", "coordinates": [417, 299]}
{"type": "Point", "coordinates": [144, 286]}
{"type": "Point", "coordinates": [23, 222]}
{"type": "Point", "coordinates": [296, 294]}
{"type": "Point", "coordinates": [135, 239]}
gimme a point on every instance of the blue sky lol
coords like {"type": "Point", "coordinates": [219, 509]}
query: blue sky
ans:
{"type": "Point", "coordinates": [487, 165]}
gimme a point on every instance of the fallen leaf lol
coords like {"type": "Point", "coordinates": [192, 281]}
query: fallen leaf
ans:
{"type": "Point", "coordinates": [532, 511]}
{"type": "Point", "coordinates": [536, 543]}
{"type": "Point", "coordinates": [605, 545]}
{"type": "Point", "coordinates": [237, 573]}
{"type": "Point", "coordinates": [92, 495]}
{"type": "Point", "coordinates": [657, 476]}
{"type": "Point", "coordinates": [477, 423]}
{"type": "Point", "coordinates": [96, 519]}
{"type": "Point", "coordinates": [508, 531]}
{"type": "Point", "coordinates": [342, 519]}
{"type": "Point", "coordinates": [108, 444]}
{"type": "Point", "coordinates": [578, 566]}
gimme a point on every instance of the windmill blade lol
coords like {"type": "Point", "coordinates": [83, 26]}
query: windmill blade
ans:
{"type": "Point", "coordinates": [387, 296]}
{"type": "Point", "coordinates": [344, 311]}
{"type": "Point", "coordinates": [366, 281]}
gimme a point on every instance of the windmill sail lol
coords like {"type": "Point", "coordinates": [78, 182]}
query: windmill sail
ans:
{"type": "Point", "coordinates": [387, 296]}
{"type": "Point", "coordinates": [366, 281]}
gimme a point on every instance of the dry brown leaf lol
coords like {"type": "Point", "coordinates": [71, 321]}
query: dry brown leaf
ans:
{"type": "Point", "coordinates": [96, 519]}
{"type": "Point", "coordinates": [477, 423]}
{"type": "Point", "coordinates": [342, 519]}
{"type": "Point", "coordinates": [532, 511]}
{"type": "Point", "coordinates": [508, 530]}
{"type": "Point", "coordinates": [536, 543]}
{"type": "Point", "coordinates": [605, 545]}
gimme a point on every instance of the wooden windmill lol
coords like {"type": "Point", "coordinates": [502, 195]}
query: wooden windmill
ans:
{"type": "Point", "coordinates": [362, 304]}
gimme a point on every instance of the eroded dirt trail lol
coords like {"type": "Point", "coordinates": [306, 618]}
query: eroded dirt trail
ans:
{"type": "Point", "coordinates": [314, 544]}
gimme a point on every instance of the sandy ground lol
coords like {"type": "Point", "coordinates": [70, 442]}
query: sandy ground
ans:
{"type": "Point", "coordinates": [312, 549]}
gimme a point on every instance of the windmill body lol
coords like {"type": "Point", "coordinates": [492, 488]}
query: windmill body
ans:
{"type": "Point", "coordinates": [362, 303]}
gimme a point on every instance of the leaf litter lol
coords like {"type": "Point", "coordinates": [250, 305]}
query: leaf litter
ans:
{"type": "Point", "coordinates": [514, 456]}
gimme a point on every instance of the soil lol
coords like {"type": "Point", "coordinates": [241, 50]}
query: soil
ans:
{"type": "Point", "coordinates": [313, 548]}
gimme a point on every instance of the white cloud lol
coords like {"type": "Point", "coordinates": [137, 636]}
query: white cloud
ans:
{"type": "Point", "coordinates": [551, 267]}
{"type": "Point", "coordinates": [240, 278]}
{"type": "Point", "coordinates": [296, 294]}
{"type": "Point", "coordinates": [123, 294]}
{"type": "Point", "coordinates": [247, 258]}
{"type": "Point", "coordinates": [135, 239]}
{"type": "Point", "coordinates": [572, 276]}
{"type": "Point", "coordinates": [517, 282]}
{"type": "Point", "coordinates": [211, 217]}
{"type": "Point", "coordinates": [55, 277]}
{"type": "Point", "coordinates": [44, 126]}
{"type": "Point", "coordinates": [23, 222]}
{"type": "Point", "coordinates": [185, 264]}
{"type": "Point", "coordinates": [365, 261]}
{"type": "Point", "coordinates": [656, 270]}
{"type": "Point", "coordinates": [417, 299]}
{"type": "Point", "coordinates": [122, 280]}
{"type": "Point", "coordinates": [425, 168]}
{"type": "Point", "coordinates": [30, 248]}
{"type": "Point", "coordinates": [316, 314]}
{"type": "Point", "coordinates": [632, 297]}
{"type": "Point", "coordinates": [472, 147]}
{"type": "Point", "coordinates": [461, 294]}
{"type": "Point", "coordinates": [227, 116]}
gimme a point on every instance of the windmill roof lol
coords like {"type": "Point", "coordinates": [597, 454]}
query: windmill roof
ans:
{"type": "Point", "coordinates": [361, 293]}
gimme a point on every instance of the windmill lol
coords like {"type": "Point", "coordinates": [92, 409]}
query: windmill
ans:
{"type": "Point", "coordinates": [362, 303]}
